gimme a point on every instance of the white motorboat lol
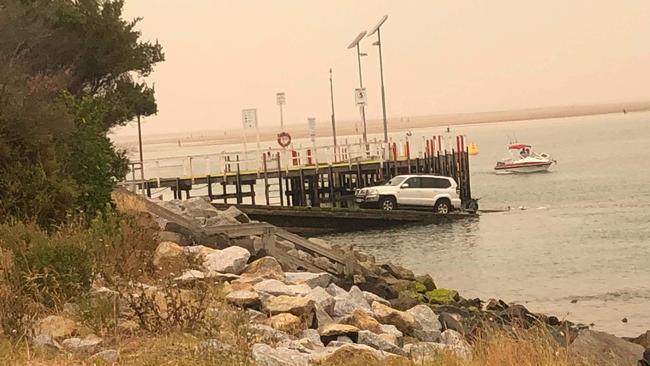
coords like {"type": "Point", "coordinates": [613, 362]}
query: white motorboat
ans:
{"type": "Point", "coordinates": [524, 160]}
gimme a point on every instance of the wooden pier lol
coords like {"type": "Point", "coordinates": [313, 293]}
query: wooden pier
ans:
{"type": "Point", "coordinates": [312, 178]}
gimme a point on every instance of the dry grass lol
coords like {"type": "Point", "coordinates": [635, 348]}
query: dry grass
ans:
{"type": "Point", "coordinates": [530, 348]}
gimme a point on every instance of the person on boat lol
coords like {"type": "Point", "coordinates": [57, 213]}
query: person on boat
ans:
{"type": "Point", "coordinates": [523, 153]}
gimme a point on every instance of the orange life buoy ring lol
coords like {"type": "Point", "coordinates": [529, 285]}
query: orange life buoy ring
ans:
{"type": "Point", "coordinates": [284, 139]}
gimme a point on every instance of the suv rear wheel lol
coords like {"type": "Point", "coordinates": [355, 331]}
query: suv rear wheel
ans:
{"type": "Point", "coordinates": [387, 203]}
{"type": "Point", "coordinates": [443, 206]}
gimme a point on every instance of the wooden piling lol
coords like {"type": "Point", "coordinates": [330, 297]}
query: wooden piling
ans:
{"type": "Point", "coordinates": [266, 180]}
{"type": "Point", "coordinates": [280, 180]}
{"type": "Point", "coordinates": [238, 184]}
{"type": "Point", "coordinates": [303, 196]}
{"type": "Point", "coordinates": [209, 179]}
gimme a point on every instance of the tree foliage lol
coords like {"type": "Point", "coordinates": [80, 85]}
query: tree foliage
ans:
{"type": "Point", "coordinates": [69, 72]}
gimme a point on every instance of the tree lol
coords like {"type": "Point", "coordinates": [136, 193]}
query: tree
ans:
{"type": "Point", "coordinates": [67, 76]}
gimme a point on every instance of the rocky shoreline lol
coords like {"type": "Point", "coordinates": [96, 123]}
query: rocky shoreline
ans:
{"type": "Point", "coordinates": [381, 312]}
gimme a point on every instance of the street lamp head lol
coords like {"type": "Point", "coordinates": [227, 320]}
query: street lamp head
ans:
{"type": "Point", "coordinates": [357, 40]}
{"type": "Point", "coordinates": [363, 54]}
{"type": "Point", "coordinates": [376, 43]}
{"type": "Point", "coordinates": [376, 28]}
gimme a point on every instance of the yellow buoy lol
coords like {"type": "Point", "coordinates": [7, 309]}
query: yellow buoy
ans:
{"type": "Point", "coordinates": [473, 149]}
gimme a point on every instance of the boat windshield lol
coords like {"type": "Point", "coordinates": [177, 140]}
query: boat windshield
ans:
{"type": "Point", "coordinates": [395, 181]}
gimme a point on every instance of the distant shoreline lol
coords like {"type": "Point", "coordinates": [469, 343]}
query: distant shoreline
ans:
{"type": "Point", "coordinates": [346, 128]}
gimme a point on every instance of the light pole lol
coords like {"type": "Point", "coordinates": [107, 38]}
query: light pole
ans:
{"type": "Point", "coordinates": [140, 149]}
{"type": "Point", "coordinates": [281, 99]}
{"type": "Point", "coordinates": [377, 29]}
{"type": "Point", "coordinates": [362, 106]}
{"type": "Point", "coordinates": [333, 119]}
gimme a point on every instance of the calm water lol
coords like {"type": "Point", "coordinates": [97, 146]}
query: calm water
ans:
{"type": "Point", "coordinates": [584, 233]}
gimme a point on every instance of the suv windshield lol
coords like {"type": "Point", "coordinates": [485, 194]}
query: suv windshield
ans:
{"type": "Point", "coordinates": [395, 181]}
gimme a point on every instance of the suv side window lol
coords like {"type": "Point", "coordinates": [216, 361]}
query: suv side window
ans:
{"type": "Point", "coordinates": [435, 183]}
{"type": "Point", "coordinates": [414, 182]}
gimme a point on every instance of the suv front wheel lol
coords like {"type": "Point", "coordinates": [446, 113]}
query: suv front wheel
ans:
{"type": "Point", "coordinates": [443, 206]}
{"type": "Point", "coordinates": [387, 203]}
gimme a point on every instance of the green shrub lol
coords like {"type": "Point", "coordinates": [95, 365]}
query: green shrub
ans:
{"type": "Point", "coordinates": [52, 269]}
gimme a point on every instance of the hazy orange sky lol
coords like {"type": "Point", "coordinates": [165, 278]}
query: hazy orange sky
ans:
{"type": "Point", "coordinates": [439, 57]}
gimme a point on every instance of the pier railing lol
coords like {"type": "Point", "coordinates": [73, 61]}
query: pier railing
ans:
{"type": "Point", "coordinates": [327, 172]}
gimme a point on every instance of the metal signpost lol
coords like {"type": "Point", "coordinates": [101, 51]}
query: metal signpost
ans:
{"type": "Point", "coordinates": [249, 121]}
{"type": "Point", "coordinates": [281, 99]}
{"type": "Point", "coordinates": [312, 135]}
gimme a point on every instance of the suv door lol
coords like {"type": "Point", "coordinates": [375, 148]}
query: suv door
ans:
{"type": "Point", "coordinates": [409, 192]}
{"type": "Point", "coordinates": [432, 187]}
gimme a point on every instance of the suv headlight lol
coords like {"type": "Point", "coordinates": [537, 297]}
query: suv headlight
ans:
{"type": "Point", "coordinates": [372, 192]}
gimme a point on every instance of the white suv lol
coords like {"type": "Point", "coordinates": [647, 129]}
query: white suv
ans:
{"type": "Point", "coordinates": [438, 192]}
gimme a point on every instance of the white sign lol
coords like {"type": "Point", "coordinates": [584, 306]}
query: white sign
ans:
{"type": "Point", "coordinates": [249, 118]}
{"type": "Point", "coordinates": [360, 96]}
{"type": "Point", "coordinates": [312, 127]}
{"type": "Point", "coordinates": [281, 98]}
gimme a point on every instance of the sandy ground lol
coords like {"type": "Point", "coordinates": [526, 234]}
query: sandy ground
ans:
{"type": "Point", "coordinates": [232, 136]}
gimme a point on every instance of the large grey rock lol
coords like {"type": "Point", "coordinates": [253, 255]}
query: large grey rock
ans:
{"type": "Point", "coordinates": [230, 260]}
{"type": "Point", "coordinates": [300, 290]}
{"type": "Point", "coordinates": [390, 329]}
{"type": "Point", "coordinates": [375, 341]}
{"type": "Point", "coordinates": [425, 317]}
{"type": "Point", "coordinates": [285, 322]}
{"type": "Point", "coordinates": [370, 298]}
{"type": "Point", "coordinates": [335, 290]}
{"type": "Point", "coordinates": [605, 349]}
{"type": "Point", "coordinates": [264, 334]}
{"type": "Point", "coordinates": [57, 327]}
{"type": "Point", "coordinates": [244, 299]}
{"type": "Point", "coordinates": [236, 214]}
{"type": "Point", "coordinates": [265, 355]}
{"type": "Point", "coordinates": [197, 207]}
{"type": "Point", "coordinates": [88, 345]}
{"type": "Point", "coordinates": [173, 237]}
{"type": "Point", "coordinates": [274, 287]}
{"type": "Point", "coordinates": [404, 321]}
{"type": "Point", "coordinates": [190, 276]}
{"type": "Point", "coordinates": [169, 257]}
{"type": "Point", "coordinates": [346, 302]}
{"type": "Point", "coordinates": [363, 320]}
{"type": "Point", "coordinates": [265, 267]}
{"type": "Point", "coordinates": [359, 298]}
{"type": "Point", "coordinates": [45, 341]}
{"type": "Point", "coordinates": [451, 321]}
{"type": "Point", "coordinates": [298, 306]}
{"type": "Point", "coordinates": [424, 352]}
{"type": "Point", "coordinates": [255, 316]}
{"type": "Point", "coordinates": [322, 298]}
{"type": "Point", "coordinates": [109, 356]}
{"type": "Point", "coordinates": [311, 279]}
{"type": "Point", "coordinates": [322, 317]}
{"type": "Point", "coordinates": [198, 252]}
{"type": "Point", "coordinates": [338, 330]}
{"type": "Point", "coordinates": [428, 325]}
{"type": "Point", "coordinates": [456, 343]}
{"type": "Point", "coordinates": [312, 338]}
{"type": "Point", "coordinates": [342, 353]}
